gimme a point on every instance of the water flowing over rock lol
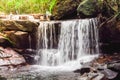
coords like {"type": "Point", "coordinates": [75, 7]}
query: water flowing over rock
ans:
{"type": "Point", "coordinates": [77, 38]}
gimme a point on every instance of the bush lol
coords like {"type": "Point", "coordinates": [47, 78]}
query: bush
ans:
{"type": "Point", "coordinates": [26, 6]}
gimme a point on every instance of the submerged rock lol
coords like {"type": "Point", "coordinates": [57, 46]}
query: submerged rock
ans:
{"type": "Point", "coordinates": [82, 70]}
{"type": "Point", "coordinates": [10, 57]}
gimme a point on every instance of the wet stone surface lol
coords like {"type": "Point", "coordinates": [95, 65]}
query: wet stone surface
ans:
{"type": "Point", "coordinates": [9, 57]}
{"type": "Point", "coordinates": [106, 67]}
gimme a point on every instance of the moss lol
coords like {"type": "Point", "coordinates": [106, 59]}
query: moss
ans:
{"type": "Point", "coordinates": [89, 7]}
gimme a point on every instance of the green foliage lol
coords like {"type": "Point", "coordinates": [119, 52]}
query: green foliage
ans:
{"type": "Point", "coordinates": [27, 6]}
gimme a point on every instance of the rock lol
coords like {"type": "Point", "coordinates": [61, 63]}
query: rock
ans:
{"type": "Point", "coordinates": [111, 43]}
{"type": "Point", "coordinates": [2, 78]}
{"type": "Point", "coordinates": [2, 39]}
{"type": "Point", "coordinates": [82, 70]}
{"type": "Point", "coordinates": [89, 8]}
{"type": "Point", "coordinates": [65, 9]}
{"type": "Point", "coordinates": [18, 25]}
{"type": "Point", "coordinates": [29, 55]}
{"type": "Point", "coordinates": [18, 33]}
{"type": "Point", "coordinates": [4, 42]}
{"type": "Point", "coordinates": [28, 26]}
{"type": "Point", "coordinates": [10, 57]}
{"type": "Point", "coordinates": [115, 66]}
{"type": "Point", "coordinates": [109, 73]}
{"type": "Point", "coordinates": [19, 39]}
{"type": "Point", "coordinates": [92, 76]}
{"type": "Point", "coordinates": [96, 76]}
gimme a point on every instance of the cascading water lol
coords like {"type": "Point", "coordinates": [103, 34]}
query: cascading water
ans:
{"type": "Point", "coordinates": [75, 39]}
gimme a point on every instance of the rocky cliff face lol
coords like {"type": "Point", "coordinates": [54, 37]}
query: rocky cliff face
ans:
{"type": "Point", "coordinates": [18, 35]}
{"type": "Point", "coordinates": [109, 34]}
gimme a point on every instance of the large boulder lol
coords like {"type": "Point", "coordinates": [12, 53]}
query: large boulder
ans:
{"type": "Point", "coordinates": [65, 9]}
{"type": "Point", "coordinates": [17, 25]}
{"type": "Point", "coordinates": [19, 39]}
{"type": "Point", "coordinates": [10, 57]}
{"type": "Point", "coordinates": [89, 8]}
{"type": "Point", "coordinates": [19, 34]}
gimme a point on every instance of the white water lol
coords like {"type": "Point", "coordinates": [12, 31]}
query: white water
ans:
{"type": "Point", "coordinates": [78, 42]}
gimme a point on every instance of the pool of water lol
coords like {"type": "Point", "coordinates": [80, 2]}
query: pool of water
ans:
{"type": "Point", "coordinates": [37, 73]}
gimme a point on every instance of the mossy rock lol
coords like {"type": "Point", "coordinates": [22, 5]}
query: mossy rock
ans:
{"type": "Point", "coordinates": [65, 9]}
{"type": "Point", "coordinates": [19, 39]}
{"type": "Point", "coordinates": [89, 8]}
{"type": "Point", "coordinates": [27, 26]}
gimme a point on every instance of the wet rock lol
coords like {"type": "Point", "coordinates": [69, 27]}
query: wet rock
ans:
{"type": "Point", "coordinates": [2, 78]}
{"type": "Point", "coordinates": [115, 66]}
{"type": "Point", "coordinates": [82, 70]}
{"type": "Point", "coordinates": [10, 57]}
{"type": "Point", "coordinates": [109, 73]}
{"type": "Point", "coordinates": [19, 39]}
{"type": "Point", "coordinates": [29, 55]}
{"type": "Point", "coordinates": [92, 76]}
{"type": "Point", "coordinates": [96, 76]}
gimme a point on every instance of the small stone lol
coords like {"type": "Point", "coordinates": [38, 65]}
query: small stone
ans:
{"type": "Point", "coordinates": [82, 70]}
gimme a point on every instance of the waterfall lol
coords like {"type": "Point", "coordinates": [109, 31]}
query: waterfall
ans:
{"type": "Point", "coordinates": [68, 41]}
{"type": "Point", "coordinates": [29, 38]}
